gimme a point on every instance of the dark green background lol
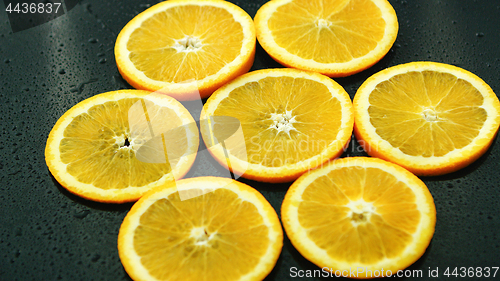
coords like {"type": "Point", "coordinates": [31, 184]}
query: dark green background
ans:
{"type": "Point", "coordinates": [48, 234]}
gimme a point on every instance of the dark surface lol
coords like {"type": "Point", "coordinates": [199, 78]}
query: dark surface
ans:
{"type": "Point", "coordinates": [48, 234]}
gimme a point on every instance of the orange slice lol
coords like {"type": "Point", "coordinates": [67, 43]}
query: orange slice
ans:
{"type": "Point", "coordinates": [225, 231]}
{"type": "Point", "coordinates": [290, 120]}
{"type": "Point", "coordinates": [186, 48]}
{"type": "Point", "coordinates": [115, 146]}
{"type": "Point", "coordinates": [359, 217]}
{"type": "Point", "coordinates": [428, 117]}
{"type": "Point", "coordinates": [335, 38]}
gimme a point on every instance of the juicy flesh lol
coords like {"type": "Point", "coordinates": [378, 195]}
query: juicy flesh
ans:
{"type": "Point", "coordinates": [287, 121]}
{"type": "Point", "coordinates": [328, 31]}
{"type": "Point", "coordinates": [362, 218]}
{"type": "Point", "coordinates": [216, 236]}
{"type": "Point", "coordinates": [185, 43]}
{"type": "Point", "coordinates": [427, 113]}
{"type": "Point", "coordinates": [100, 146]}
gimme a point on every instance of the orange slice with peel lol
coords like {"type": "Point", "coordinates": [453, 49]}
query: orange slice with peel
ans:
{"type": "Point", "coordinates": [336, 38]}
{"type": "Point", "coordinates": [226, 230]}
{"type": "Point", "coordinates": [290, 120]}
{"type": "Point", "coordinates": [186, 48]}
{"type": "Point", "coordinates": [359, 217]}
{"type": "Point", "coordinates": [430, 118]}
{"type": "Point", "coordinates": [115, 146]}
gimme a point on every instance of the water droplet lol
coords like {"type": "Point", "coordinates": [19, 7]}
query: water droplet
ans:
{"type": "Point", "coordinates": [6, 61]}
{"type": "Point", "coordinates": [95, 258]}
{"type": "Point", "coordinates": [81, 214]}
{"type": "Point", "coordinates": [102, 61]}
{"type": "Point", "coordinates": [93, 40]}
{"type": "Point", "coordinates": [479, 34]}
{"type": "Point", "coordinates": [62, 71]}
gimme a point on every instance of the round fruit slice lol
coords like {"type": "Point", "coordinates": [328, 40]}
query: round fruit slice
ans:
{"type": "Point", "coordinates": [359, 217]}
{"type": "Point", "coordinates": [291, 121]}
{"type": "Point", "coordinates": [336, 38]}
{"type": "Point", "coordinates": [226, 230]}
{"type": "Point", "coordinates": [115, 146]}
{"type": "Point", "coordinates": [428, 117]}
{"type": "Point", "coordinates": [186, 48]}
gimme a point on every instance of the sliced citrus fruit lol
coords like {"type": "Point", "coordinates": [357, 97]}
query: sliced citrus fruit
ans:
{"type": "Point", "coordinates": [113, 147]}
{"type": "Point", "coordinates": [291, 121]}
{"type": "Point", "coordinates": [359, 217]}
{"type": "Point", "coordinates": [227, 232]}
{"type": "Point", "coordinates": [180, 47]}
{"type": "Point", "coordinates": [428, 117]}
{"type": "Point", "coordinates": [335, 38]}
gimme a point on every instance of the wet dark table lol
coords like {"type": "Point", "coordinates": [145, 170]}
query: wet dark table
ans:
{"type": "Point", "coordinates": [48, 234]}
